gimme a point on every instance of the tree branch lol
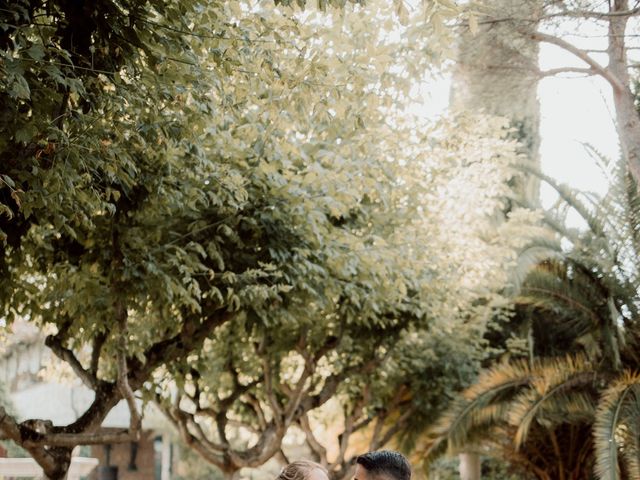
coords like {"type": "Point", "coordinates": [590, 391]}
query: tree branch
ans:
{"type": "Point", "coordinates": [556, 71]}
{"type": "Point", "coordinates": [396, 427]}
{"type": "Point", "coordinates": [193, 332]}
{"type": "Point", "coordinates": [594, 15]}
{"type": "Point", "coordinates": [73, 439]}
{"type": "Point", "coordinates": [254, 403]}
{"type": "Point", "coordinates": [175, 415]}
{"type": "Point", "coordinates": [135, 421]}
{"type": "Point", "coordinates": [96, 350]}
{"type": "Point", "coordinates": [268, 385]}
{"type": "Point", "coordinates": [615, 83]}
{"type": "Point", "coordinates": [350, 422]}
{"type": "Point", "coordinates": [54, 342]}
{"type": "Point", "coordinates": [317, 449]}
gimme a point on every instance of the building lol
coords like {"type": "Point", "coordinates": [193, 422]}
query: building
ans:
{"type": "Point", "coordinates": [37, 387]}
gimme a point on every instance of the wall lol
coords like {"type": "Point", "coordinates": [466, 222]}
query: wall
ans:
{"type": "Point", "coordinates": [121, 454]}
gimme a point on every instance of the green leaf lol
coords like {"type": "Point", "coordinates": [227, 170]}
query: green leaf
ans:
{"type": "Point", "coordinates": [19, 88]}
{"type": "Point", "coordinates": [26, 134]}
{"type": "Point", "coordinates": [36, 51]}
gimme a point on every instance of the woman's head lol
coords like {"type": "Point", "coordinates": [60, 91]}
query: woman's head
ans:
{"type": "Point", "coordinates": [303, 470]}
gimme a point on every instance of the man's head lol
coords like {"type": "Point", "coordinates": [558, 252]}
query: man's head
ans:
{"type": "Point", "coordinates": [382, 465]}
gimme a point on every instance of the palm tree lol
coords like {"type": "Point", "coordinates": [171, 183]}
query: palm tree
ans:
{"type": "Point", "coordinates": [572, 410]}
{"type": "Point", "coordinates": [532, 415]}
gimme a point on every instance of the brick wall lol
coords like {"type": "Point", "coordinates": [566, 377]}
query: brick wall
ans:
{"type": "Point", "coordinates": [121, 454]}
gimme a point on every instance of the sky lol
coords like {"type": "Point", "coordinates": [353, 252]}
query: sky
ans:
{"type": "Point", "coordinates": [574, 112]}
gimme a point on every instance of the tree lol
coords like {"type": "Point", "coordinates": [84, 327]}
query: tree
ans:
{"type": "Point", "coordinates": [556, 23]}
{"type": "Point", "coordinates": [493, 71]}
{"type": "Point", "coordinates": [236, 400]}
{"type": "Point", "coordinates": [117, 189]}
{"type": "Point", "coordinates": [158, 187]}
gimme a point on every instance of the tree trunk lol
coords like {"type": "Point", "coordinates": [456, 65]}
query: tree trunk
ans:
{"type": "Point", "coordinates": [496, 73]}
{"type": "Point", "coordinates": [54, 461]}
{"type": "Point", "coordinates": [627, 118]}
{"type": "Point", "coordinates": [469, 466]}
{"type": "Point", "coordinates": [231, 474]}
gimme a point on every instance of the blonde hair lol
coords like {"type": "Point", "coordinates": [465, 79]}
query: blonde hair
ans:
{"type": "Point", "coordinates": [299, 470]}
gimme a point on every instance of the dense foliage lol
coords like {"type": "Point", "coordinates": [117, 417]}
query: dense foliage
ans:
{"type": "Point", "coordinates": [191, 192]}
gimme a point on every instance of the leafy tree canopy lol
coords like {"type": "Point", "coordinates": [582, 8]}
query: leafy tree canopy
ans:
{"type": "Point", "coordinates": [191, 186]}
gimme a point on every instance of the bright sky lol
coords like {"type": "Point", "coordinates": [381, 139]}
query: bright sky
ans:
{"type": "Point", "coordinates": [574, 112]}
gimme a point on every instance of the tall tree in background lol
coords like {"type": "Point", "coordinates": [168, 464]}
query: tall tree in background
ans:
{"type": "Point", "coordinates": [495, 72]}
{"type": "Point", "coordinates": [601, 38]}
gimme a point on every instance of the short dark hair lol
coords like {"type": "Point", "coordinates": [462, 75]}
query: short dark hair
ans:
{"type": "Point", "coordinates": [385, 464]}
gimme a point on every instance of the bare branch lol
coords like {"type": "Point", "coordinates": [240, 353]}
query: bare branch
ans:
{"type": "Point", "coordinates": [561, 14]}
{"type": "Point", "coordinates": [220, 415]}
{"type": "Point", "coordinates": [202, 436]}
{"type": "Point", "coordinates": [191, 440]}
{"type": "Point", "coordinates": [268, 383]}
{"type": "Point", "coordinates": [317, 449]}
{"type": "Point", "coordinates": [73, 439]}
{"type": "Point", "coordinates": [296, 395]}
{"type": "Point", "coordinates": [594, 15]}
{"type": "Point", "coordinates": [246, 426]}
{"type": "Point", "coordinates": [254, 403]}
{"type": "Point", "coordinates": [605, 73]}
{"type": "Point", "coordinates": [193, 332]}
{"type": "Point", "coordinates": [96, 350]}
{"type": "Point", "coordinates": [377, 430]}
{"type": "Point", "coordinates": [396, 427]}
{"type": "Point", "coordinates": [350, 422]}
{"type": "Point", "coordinates": [135, 421]}
{"type": "Point", "coordinates": [558, 71]}
{"type": "Point", "coordinates": [363, 423]}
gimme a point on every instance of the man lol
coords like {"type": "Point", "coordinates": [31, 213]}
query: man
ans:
{"type": "Point", "coordinates": [382, 465]}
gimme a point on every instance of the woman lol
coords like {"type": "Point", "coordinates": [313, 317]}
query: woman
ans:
{"type": "Point", "coordinates": [303, 470]}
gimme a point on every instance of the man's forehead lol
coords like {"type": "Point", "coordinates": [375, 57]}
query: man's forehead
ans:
{"type": "Point", "coordinates": [362, 473]}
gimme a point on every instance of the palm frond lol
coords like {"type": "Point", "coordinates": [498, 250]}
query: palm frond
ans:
{"type": "Point", "coordinates": [570, 197]}
{"type": "Point", "coordinates": [537, 250]}
{"type": "Point", "coordinates": [630, 451]}
{"type": "Point", "coordinates": [569, 299]}
{"type": "Point", "coordinates": [479, 405]}
{"type": "Point", "coordinates": [552, 388]}
{"type": "Point", "coordinates": [633, 202]}
{"type": "Point", "coordinates": [610, 418]}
